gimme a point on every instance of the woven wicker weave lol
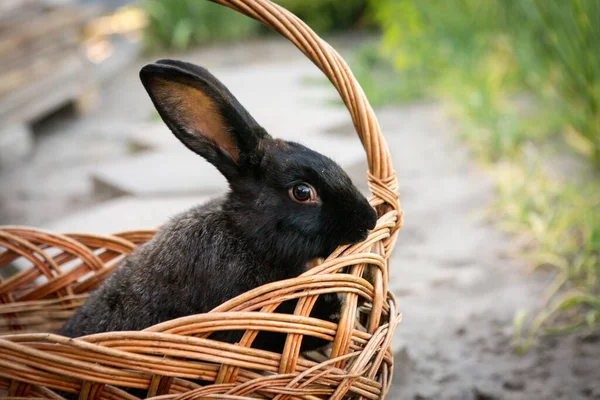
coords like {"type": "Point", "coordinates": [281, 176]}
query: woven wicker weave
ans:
{"type": "Point", "coordinates": [175, 359]}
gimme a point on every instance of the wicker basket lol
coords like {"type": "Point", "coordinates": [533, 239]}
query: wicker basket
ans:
{"type": "Point", "coordinates": [170, 359]}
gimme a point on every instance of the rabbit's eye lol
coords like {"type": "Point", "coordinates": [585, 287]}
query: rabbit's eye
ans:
{"type": "Point", "coordinates": [303, 193]}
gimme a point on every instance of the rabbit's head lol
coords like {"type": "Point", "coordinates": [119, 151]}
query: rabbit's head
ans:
{"type": "Point", "coordinates": [289, 202]}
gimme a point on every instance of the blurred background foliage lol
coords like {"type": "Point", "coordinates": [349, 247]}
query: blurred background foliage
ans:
{"type": "Point", "coordinates": [180, 24]}
{"type": "Point", "coordinates": [522, 80]}
{"type": "Point", "coordinates": [326, 16]}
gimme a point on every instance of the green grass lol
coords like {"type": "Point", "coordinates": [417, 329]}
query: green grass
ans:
{"type": "Point", "coordinates": [560, 49]}
{"type": "Point", "coordinates": [560, 221]}
{"type": "Point", "coordinates": [326, 16]}
{"type": "Point", "coordinates": [377, 76]}
{"type": "Point", "coordinates": [516, 75]}
{"type": "Point", "coordinates": [181, 24]}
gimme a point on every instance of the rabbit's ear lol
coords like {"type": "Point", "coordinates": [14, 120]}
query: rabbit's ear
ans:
{"type": "Point", "coordinates": [203, 114]}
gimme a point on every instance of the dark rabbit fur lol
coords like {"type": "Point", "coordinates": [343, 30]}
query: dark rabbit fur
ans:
{"type": "Point", "coordinates": [254, 235]}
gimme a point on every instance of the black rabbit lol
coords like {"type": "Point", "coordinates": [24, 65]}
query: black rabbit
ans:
{"type": "Point", "coordinates": [287, 205]}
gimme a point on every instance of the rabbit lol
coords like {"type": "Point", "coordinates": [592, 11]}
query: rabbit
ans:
{"type": "Point", "coordinates": [286, 205]}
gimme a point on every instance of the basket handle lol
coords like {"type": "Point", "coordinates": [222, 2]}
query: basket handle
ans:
{"type": "Point", "coordinates": [381, 177]}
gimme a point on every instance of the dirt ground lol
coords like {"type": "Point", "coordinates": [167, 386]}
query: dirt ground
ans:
{"type": "Point", "coordinates": [459, 288]}
{"type": "Point", "coordinates": [456, 283]}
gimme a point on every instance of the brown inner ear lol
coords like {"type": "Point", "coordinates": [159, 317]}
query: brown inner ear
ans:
{"type": "Point", "coordinates": [196, 112]}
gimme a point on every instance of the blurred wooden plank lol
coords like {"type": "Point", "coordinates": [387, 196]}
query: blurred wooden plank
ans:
{"type": "Point", "coordinates": [42, 65]}
{"type": "Point", "coordinates": [20, 75]}
{"type": "Point", "coordinates": [40, 49]}
{"type": "Point", "coordinates": [17, 17]}
{"type": "Point", "coordinates": [10, 8]}
{"type": "Point", "coordinates": [46, 24]}
{"type": "Point", "coordinates": [66, 82]}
